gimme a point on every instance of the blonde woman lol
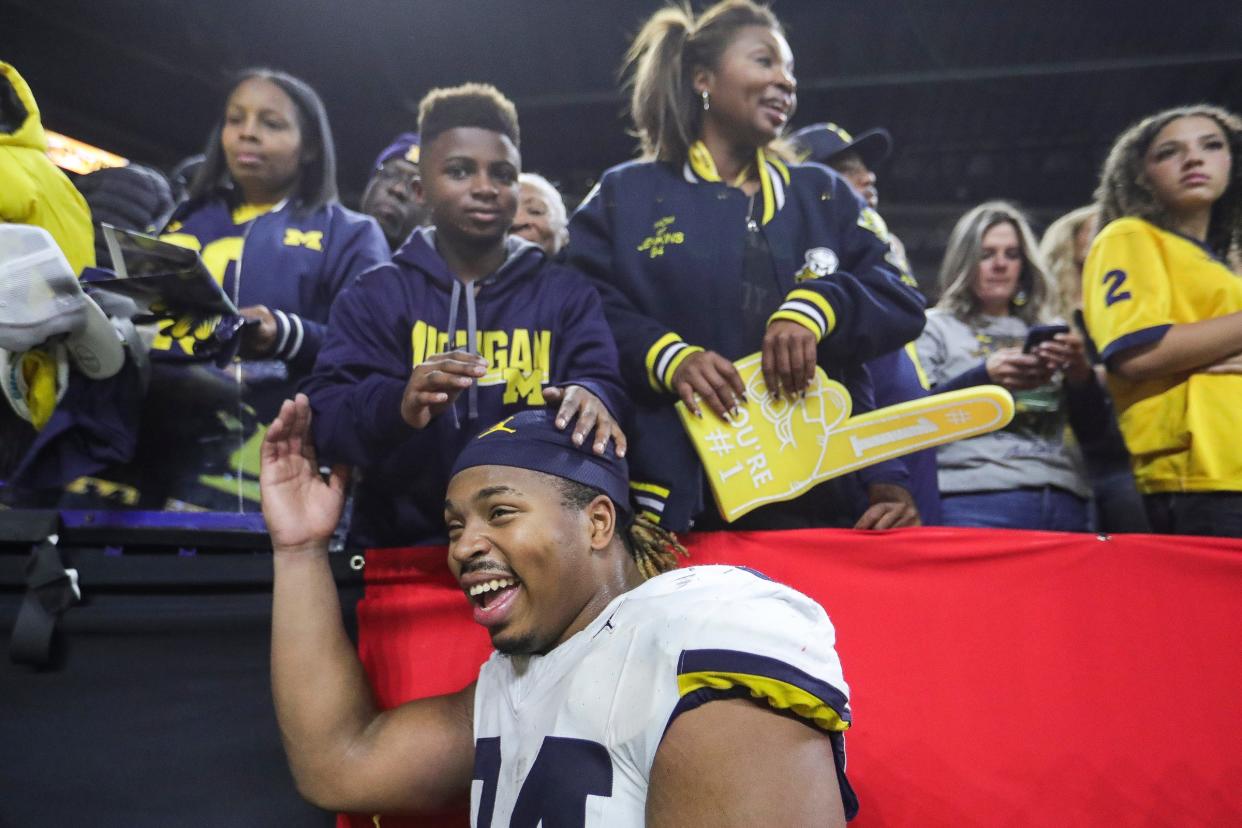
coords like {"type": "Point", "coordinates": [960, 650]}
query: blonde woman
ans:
{"type": "Point", "coordinates": [1064, 250]}
{"type": "Point", "coordinates": [1118, 505]}
{"type": "Point", "coordinates": [994, 294]}
{"type": "Point", "coordinates": [1165, 309]}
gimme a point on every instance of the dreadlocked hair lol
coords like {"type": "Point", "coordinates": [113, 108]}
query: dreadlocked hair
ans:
{"type": "Point", "coordinates": [1124, 191]}
{"type": "Point", "coordinates": [653, 548]}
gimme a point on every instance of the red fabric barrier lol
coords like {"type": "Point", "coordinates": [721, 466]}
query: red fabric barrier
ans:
{"type": "Point", "coordinates": [997, 678]}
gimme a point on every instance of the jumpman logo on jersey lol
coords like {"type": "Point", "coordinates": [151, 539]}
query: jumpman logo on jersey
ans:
{"type": "Point", "coordinates": [500, 426]}
{"type": "Point", "coordinates": [608, 625]}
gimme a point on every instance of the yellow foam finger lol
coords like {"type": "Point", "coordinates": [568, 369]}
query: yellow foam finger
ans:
{"type": "Point", "coordinates": [774, 449]}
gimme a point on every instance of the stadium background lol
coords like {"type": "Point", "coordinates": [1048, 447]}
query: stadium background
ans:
{"type": "Point", "coordinates": [984, 100]}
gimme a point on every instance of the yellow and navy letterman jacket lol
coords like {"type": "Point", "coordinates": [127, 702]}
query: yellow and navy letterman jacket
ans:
{"type": "Point", "coordinates": [666, 245]}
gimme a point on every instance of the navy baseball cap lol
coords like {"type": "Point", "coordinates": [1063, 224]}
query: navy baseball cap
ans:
{"type": "Point", "coordinates": [825, 142]}
{"type": "Point", "coordinates": [531, 440]}
{"type": "Point", "coordinates": [404, 146]}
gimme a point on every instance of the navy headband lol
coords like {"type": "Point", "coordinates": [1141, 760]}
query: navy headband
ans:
{"type": "Point", "coordinates": [531, 440]}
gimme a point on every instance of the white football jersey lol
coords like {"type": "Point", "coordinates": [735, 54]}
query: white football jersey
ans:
{"type": "Point", "coordinates": [568, 738]}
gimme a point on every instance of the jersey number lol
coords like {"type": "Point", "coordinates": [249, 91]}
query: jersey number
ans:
{"type": "Point", "coordinates": [564, 773]}
{"type": "Point", "coordinates": [1115, 293]}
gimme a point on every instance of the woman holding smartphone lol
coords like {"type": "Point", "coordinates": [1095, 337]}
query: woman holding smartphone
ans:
{"type": "Point", "coordinates": [1163, 303]}
{"type": "Point", "coordinates": [996, 323]}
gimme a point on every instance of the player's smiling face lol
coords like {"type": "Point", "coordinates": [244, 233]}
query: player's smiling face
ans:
{"type": "Point", "coordinates": [751, 91]}
{"type": "Point", "coordinates": [1188, 164]}
{"type": "Point", "coordinates": [262, 140]}
{"type": "Point", "coordinates": [1000, 266]}
{"type": "Point", "coordinates": [523, 558]}
{"type": "Point", "coordinates": [469, 184]}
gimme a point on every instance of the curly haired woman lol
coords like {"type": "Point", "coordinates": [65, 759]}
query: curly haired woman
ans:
{"type": "Point", "coordinates": [1165, 309]}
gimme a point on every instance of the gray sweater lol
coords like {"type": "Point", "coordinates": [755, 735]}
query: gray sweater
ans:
{"type": "Point", "coordinates": [1031, 450]}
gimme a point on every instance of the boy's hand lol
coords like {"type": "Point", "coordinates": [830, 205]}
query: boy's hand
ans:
{"type": "Point", "coordinates": [300, 509]}
{"type": "Point", "coordinates": [591, 412]}
{"type": "Point", "coordinates": [708, 376]}
{"type": "Point", "coordinates": [436, 383]}
{"type": "Point", "coordinates": [788, 358]}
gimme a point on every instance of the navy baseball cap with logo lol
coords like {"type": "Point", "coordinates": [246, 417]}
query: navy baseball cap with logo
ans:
{"type": "Point", "coordinates": [405, 146]}
{"type": "Point", "coordinates": [531, 440]}
{"type": "Point", "coordinates": [826, 142]}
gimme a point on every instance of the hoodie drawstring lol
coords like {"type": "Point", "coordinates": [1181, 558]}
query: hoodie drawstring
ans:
{"type": "Point", "coordinates": [471, 333]}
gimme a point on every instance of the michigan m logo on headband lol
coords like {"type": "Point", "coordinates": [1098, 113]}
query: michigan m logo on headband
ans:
{"type": "Point", "coordinates": [775, 450]}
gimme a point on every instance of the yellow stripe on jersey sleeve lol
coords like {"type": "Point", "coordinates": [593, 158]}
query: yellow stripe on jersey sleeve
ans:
{"type": "Point", "coordinates": [779, 694]}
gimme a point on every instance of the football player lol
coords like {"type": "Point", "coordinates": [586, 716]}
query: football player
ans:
{"type": "Point", "coordinates": [622, 691]}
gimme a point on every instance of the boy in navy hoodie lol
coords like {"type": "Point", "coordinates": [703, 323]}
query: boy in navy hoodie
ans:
{"type": "Point", "coordinates": [464, 327]}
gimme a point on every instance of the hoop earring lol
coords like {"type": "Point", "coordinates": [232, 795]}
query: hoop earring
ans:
{"type": "Point", "coordinates": [707, 100]}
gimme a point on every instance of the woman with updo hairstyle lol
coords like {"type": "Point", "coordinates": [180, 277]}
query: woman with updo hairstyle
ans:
{"type": "Point", "coordinates": [994, 292]}
{"type": "Point", "coordinates": [541, 216]}
{"type": "Point", "coordinates": [1163, 303]}
{"type": "Point", "coordinates": [714, 245]}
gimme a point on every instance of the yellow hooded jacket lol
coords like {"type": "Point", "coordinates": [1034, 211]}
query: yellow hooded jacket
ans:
{"type": "Point", "coordinates": [33, 190]}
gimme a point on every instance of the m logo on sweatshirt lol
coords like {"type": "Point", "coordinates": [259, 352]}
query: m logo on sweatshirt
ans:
{"type": "Point", "coordinates": [311, 239]}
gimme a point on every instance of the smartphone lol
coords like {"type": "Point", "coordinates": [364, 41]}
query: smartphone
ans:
{"type": "Point", "coordinates": [1042, 333]}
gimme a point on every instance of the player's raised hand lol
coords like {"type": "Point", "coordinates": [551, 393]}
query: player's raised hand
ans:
{"type": "Point", "coordinates": [301, 508]}
{"type": "Point", "coordinates": [1016, 371]}
{"type": "Point", "coordinates": [591, 413]}
{"type": "Point", "coordinates": [788, 358]}
{"type": "Point", "coordinates": [708, 376]}
{"type": "Point", "coordinates": [436, 383]}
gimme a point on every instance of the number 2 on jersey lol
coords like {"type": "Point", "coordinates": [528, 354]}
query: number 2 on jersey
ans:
{"type": "Point", "coordinates": [1115, 293]}
{"type": "Point", "coordinates": [554, 792]}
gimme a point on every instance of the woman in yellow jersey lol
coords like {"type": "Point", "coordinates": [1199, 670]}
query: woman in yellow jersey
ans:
{"type": "Point", "coordinates": [713, 247]}
{"type": "Point", "coordinates": [1163, 303]}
